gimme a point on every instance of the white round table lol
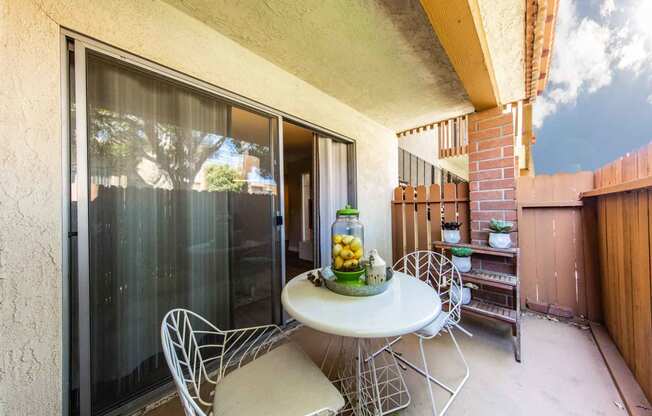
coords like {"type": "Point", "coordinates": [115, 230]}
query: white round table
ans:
{"type": "Point", "coordinates": [407, 306]}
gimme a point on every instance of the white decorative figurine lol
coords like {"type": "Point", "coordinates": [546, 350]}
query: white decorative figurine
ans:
{"type": "Point", "coordinates": [376, 269]}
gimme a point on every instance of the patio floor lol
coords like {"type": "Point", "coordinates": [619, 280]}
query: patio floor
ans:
{"type": "Point", "coordinates": [562, 372]}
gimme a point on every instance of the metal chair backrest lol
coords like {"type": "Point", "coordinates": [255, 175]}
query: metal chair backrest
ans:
{"type": "Point", "coordinates": [195, 349]}
{"type": "Point", "coordinates": [440, 273]}
{"type": "Point", "coordinates": [185, 357]}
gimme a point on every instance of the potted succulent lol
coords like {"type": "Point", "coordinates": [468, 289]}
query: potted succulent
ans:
{"type": "Point", "coordinates": [499, 233]}
{"type": "Point", "coordinates": [461, 257]}
{"type": "Point", "coordinates": [451, 232]}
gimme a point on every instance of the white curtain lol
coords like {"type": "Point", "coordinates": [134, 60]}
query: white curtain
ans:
{"type": "Point", "coordinates": [333, 189]}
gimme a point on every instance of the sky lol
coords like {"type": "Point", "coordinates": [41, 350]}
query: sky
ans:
{"type": "Point", "coordinates": [597, 105]}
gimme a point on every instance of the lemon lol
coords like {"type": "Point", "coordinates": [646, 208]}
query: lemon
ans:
{"type": "Point", "coordinates": [347, 239]}
{"type": "Point", "coordinates": [356, 244]}
{"type": "Point", "coordinates": [358, 253]}
{"type": "Point", "coordinates": [349, 264]}
{"type": "Point", "coordinates": [337, 238]}
{"type": "Point", "coordinates": [338, 262]}
{"type": "Point", "coordinates": [346, 254]}
{"type": "Point", "coordinates": [336, 249]}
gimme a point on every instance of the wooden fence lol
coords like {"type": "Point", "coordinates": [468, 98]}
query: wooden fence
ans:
{"type": "Point", "coordinates": [417, 214]}
{"type": "Point", "coordinates": [557, 268]}
{"type": "Point", "coordinates": [622, 206]}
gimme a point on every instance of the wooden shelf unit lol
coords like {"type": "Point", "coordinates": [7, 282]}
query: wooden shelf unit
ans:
{"type": "Point", "coordinates": [508, 283]}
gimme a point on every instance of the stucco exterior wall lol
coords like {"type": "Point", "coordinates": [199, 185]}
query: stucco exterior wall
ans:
{"type": "Point", "coordinates": [30, 229]}
{"type": "Point", "coordinates": [30, 178]}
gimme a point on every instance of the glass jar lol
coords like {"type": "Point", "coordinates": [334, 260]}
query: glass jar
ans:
{"type": "Point", "coordinates": [347, 236]}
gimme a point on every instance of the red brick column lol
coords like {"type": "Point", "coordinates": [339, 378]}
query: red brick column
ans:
{"type": "Point", "coordinates": [492, 171]}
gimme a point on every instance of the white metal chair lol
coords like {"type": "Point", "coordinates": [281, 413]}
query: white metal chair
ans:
{"type": "Point", "coordinates": [251, 371]}
{"type": "Point", "coordinates": [442, 275]}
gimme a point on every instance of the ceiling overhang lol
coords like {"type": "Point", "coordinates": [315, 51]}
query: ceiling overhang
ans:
{"type": "Point", "coordinates": [459, 28]}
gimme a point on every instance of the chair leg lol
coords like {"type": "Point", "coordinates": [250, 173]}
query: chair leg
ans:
{"type": "Point", "coordinates": [466, 375]}
{"type": "Point", "coordinates": [427, 377]}
{"type": "Point", "coordinates": [430, 380]}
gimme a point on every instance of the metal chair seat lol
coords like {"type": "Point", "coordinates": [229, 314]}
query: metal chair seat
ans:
{"type": "Point", "coordinates": [283, 382]}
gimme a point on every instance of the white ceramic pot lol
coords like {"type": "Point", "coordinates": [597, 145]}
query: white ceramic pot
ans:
{"type": "Point", "coordinates": [452, 236]}
{"type": "Point", "coordinates": [466, 295]}
{"type": "Point", "coordinates": [463, 264]}
{"type": "Point", "coordinates": [500, 240]}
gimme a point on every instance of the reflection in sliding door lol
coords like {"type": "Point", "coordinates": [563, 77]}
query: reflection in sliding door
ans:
{"type": "Point", "coordinates": [182, 189]}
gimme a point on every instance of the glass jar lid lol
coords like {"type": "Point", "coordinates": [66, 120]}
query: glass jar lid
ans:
{"type": "Point", "coordinates": [348, 210]}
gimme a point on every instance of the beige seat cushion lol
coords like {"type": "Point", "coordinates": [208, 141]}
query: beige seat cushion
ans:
{"type": "Point", "coordinates": [283, 382]}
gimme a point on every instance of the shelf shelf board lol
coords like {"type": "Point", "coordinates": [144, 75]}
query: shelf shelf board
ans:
{"type": "Point", "coordinates": [478, 249]}
{"type": "Point", "coordinates": [500, 313]}
{"type": "Point", "coordinates": [488, 278]}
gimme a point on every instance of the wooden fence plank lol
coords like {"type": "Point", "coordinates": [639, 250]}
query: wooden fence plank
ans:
{"type": "Point", "coordinates": [422, 219]}
{"type": "Point", "coordinates": [434, 210]}
{"type": "Point", "coordinates": [590, 247]}
{"type": "Point", "coordinates": [641, 291]}
{"type": "Point", "coordinates": [450, 191]}
{"type": "Point", "coordinates": [397, 224]}
{"type": "Point", "coordinates": [628, 230]}
{"type": "Point", "coordinates": [463, 211]}
{"type": "Point", "coordinates": [409, 212]}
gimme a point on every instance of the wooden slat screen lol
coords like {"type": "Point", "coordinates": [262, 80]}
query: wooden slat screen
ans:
{"type": "Point", "coordinates": [453, 137]}
{"type": "Point", "coordinates": [417, 213]}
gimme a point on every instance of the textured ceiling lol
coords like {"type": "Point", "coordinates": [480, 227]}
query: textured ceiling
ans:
{"type": "Point", "coordinates": [380, 57]}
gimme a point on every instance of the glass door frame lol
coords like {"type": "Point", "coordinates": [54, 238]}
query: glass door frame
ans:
{"type": "Point", "coordinates": [81, 44]}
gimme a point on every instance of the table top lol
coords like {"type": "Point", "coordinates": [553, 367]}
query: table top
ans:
{"type": "Point", "coordinates": [406, 306]}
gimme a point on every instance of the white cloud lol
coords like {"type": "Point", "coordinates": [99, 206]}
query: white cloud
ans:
{"type": "Point", "coordinates": [581, 62]}
{"type": "Point", "coordinates": [607, 7]}
{"type": "Point", "coordinates": [588, 52]}
{"type": "Point", "coordinates": [633, 54]}
{"type": "Point", "coordinates": [542, 109]}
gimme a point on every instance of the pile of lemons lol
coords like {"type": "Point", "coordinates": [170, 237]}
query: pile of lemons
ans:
{"type": "Point", "coordinates": [347, 252]}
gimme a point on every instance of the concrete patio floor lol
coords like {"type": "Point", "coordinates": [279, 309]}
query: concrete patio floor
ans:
{"type": "Point", "coordinates": [562, 372]}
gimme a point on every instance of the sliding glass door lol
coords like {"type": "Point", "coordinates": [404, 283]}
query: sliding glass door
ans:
{"type": "Point", "coordinates": [176, 198]}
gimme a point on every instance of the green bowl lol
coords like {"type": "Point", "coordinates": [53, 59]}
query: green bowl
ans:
{"type": "Point", "coordinates": [353, 276]}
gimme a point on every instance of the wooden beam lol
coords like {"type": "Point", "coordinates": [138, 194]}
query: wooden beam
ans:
{"type": "Point", "coordinates": [551, 204]}
{"type": "Point", "coordinates": [459, 28]}
{"type": "Point", "coordinates": [621, 187]}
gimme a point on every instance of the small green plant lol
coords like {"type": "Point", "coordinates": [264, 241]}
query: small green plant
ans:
{"type": "Point", "coordinates": [451, 225]}
{"type": "Point", "coordinates": [461, 251]}
{"type": "Point", "coordinates": [499, 226]}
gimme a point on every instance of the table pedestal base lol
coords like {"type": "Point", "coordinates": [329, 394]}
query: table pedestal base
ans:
{"type": "Point", "coordinates": [371, 385]}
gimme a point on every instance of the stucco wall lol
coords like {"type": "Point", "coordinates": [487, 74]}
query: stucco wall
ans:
{"type": "Point", "coordinates": [30, 172]}
{"type": "Point", "coordinates": [30, 178]}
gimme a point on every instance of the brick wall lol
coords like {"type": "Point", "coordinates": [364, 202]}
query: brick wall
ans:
{"type": "Point", "coordinates": [492, 171]}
